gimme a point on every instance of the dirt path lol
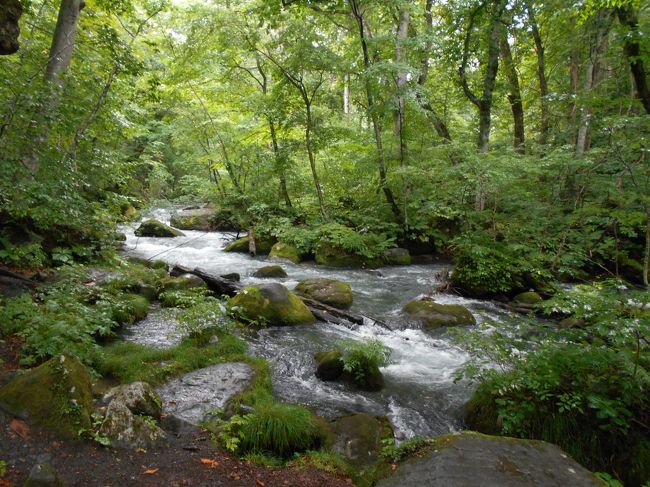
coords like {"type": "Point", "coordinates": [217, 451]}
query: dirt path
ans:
{"type": "Point", "coordinates": [189, 460]}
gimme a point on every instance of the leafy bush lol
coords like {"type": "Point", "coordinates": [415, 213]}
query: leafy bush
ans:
{"type": "Point", "coordinates": [361, 357]}
{"type": "Point", "coordinates": [584, 389]}
{"type": "Point", "coordinates": [277, 429]}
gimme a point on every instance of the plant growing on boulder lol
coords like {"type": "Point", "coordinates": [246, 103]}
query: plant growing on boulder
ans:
{"type": "Point", "coordinates": [363, 359]}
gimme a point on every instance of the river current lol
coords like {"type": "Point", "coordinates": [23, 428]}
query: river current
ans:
{"type": "Point", "coordinates": [420, 397]}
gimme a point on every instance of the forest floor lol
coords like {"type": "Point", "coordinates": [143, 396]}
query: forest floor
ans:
{"type": "Point", "coordinates": [189, 459]}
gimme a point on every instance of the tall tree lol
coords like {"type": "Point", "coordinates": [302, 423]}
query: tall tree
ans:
{"type": "Point", "coordinates": [10, 12]}
{"type": "Point", "coordinates": [541, 73]}
{"type": "Point", "coordinates": [632, 48]}
{"type": "Point", "coordinates": [63, 40]}
{"type": "Point", "coordinates": [514, 96]}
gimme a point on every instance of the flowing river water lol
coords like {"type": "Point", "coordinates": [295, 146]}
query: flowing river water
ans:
{"type": "Point", "coordinates": [420, 397]}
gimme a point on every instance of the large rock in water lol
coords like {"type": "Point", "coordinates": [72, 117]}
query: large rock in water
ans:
{"type": "Point", "coordinates": [55, 395]}
{"type": "Point", "coordinates": [472, 459]}
{"type": "Point", "coordinates": [435, 315]}
{"type": "Point", "coordinates": [286, 251]}
{"type": "Point", "coordinates": [188, 399]}
{"type": "Point", "coordinates": [273, 304]}
{"type": "Point", "coordinates": [397, 256]}
{"type": "Point", "coordinates": [329, 291]}
{"type": "Point", "coordinates": [129, 419]}
{"type": "Point", "coordinates": [202, 219]}
{"type": "Point", "coordinates": [154, 228]}
{"type": "Point", "coordinates": [359, 439]}
{"type": "Point", "coordinates": [270, 271]}
{"type": "Point", "coordinates": [10, 12]}
{"type": "Point", "coordinates": [263, 245]}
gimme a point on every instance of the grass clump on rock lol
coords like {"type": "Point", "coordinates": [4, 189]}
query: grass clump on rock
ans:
{"type": "Point", "coordinates": [362, 360]}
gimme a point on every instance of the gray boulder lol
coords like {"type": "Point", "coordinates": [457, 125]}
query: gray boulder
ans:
{"type": "Point", "coordinates": [154, 228]}
{"type": "Point", "coordinates": [43, 475]}
{"type": "Point", "coordinates": [468, 458]}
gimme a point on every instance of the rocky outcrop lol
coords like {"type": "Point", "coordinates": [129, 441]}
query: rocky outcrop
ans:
{"type": "Point", "coordinates": [271, 303]}
{"type": "Point", "coordinates": [527, 299]}
{"type": "Point", "coordinates": [468, 458]}
{"type": "Point", "coordinates": [359, 439]}
{"type": "Point", "coordinates": [203, 219]}
{"type": "Point", "coordinates": [286, 251]}
{"type": "Point", "coordinates": [328, 291]}
{"type": "Point", "coordinates": [330, 367]}
{"type": "Point", "coordinates": [188, 399]}
{"type": "Point", "coordinates": [397, 256]}
{"type": "Point", "coordinates": [435, 315]}
{"type": "Point", "coordinates": [330, 255]}
{"type": "Point", "coordinates": [263, 245]}
{"type": "Point", "coordinates": [10, 12]}
{"type": "Point", "coordinates": [55, 395]}
{"type": "Point", "coordinates": [154, 228]}
{"type": "Point", "coordinates": [131, 415]}
{"type": "Point", "coordinates": [270, 271]}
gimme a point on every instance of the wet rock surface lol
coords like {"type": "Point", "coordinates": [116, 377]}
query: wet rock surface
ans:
{"type": "Point", "coordinates": [472, 459]}
{"type": "Point", "coordinates": [187, 399]}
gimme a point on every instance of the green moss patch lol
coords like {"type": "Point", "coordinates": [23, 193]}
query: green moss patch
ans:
{"type": "Point", "coordinates": [435, 315]}
{"type": "Point", "coordinates": [272, 304]}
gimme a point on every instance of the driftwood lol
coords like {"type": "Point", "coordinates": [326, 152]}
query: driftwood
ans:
{"type": "Point", "coordinates": [218, 284]}
{"type": "Point", "coordinates": [334, 315]}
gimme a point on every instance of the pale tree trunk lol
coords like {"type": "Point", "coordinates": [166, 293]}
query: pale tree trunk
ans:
{"type": "Point", "coordinates": [598, 42]}
{"type": "Point", "coordinates": [357, 12]}
{"type": "Point", "coordinates": [514, 97]}
{"type": "Point", "coordinates": [541, 75]}
{"type": "Point", "coordinates": [63, 40]}
{"type": "Point", "coordinates": [346, 95]}
{"type": "Point", "coordinates": [284, 193]}
{"type": "Point", "coordinates": [438, 123]}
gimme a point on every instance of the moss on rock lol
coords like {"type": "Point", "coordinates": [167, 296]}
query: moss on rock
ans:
{"type": "Point", "coordinates": [329, 291]}
{"type": "Point", "coordinates": [154, 228]}
{"type": "Point", "coordinates": [271, 303]}
{"type": "Point", "coordinates": [263, 245]}
{"type": "Point", "coordinates": [181, 283]}
{"type": "Point", "coordinates": [130, 308]}
{"type": "Point", "coordinates": [332, 256]}
{"type": "Point", "coordinates": [435, 315]}
{"type": "Point", "coordinates": [329, 365]}
{"type": "Point", "coordinates": [270, 271]}
{"type": "Point", "coordinates": [397, 256]}
{"type": "Point", "coordinates": [55, 395]}
{"type": "Point", "coordinates": [286, 251]}
{"type": "Point", "coordinates": [528, 298]}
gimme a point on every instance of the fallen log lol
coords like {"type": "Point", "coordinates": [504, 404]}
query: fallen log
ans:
{"type": "Point", "coordinates": [217, 284]}
{"type": "Point", "coordinates": [335, 315]}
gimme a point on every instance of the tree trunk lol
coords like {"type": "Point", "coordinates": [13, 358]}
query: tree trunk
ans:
{"type": "Point", "coordinates": [63, 40]}
{"type": "Point", "coordinates": [400, 57]}
{"type": "Point", "coordinates": [632, 51]}
{"type": "Point", "coordinates": [312, 159]}
{"type": "Point", "coordinates": [514, 97]}
{"type": "Point", "coordinates": [381, 166]}
{"type": "Point", "coordinates": [10, 12]}
{"type": "Point", "coordinates": [438, 123]}
{"type": "Point", "coordinates": [284, 193]}
{"type": "Point", "coordinates": [541, 75]}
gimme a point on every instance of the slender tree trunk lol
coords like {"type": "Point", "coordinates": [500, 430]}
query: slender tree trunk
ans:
{"type": "Point", "coordinates": [346, 95]}
{"type": "Point", "coordinates": [514, 97]}
{"type": "Point", "coordinates": [284, 193]}
{"type": "Point", "coordinates": [312, 158]}
{"type": "Point", "coordinates": [438, 123]}
{"type": "Point", "coordinates": [63, 40]}
{"type": "Point", "coordinates": [541, 75]}
{"type": "Point", "coordinates": [400, 57]}
{"type": "Point", "coordinates": [632, 50]}
{"type": "Point", "coordinates": [372, 115]}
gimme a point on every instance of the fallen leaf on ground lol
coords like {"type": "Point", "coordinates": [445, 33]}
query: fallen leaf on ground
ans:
{"type": "Point", "coordinates": [150, 471]}
{"type": "Point", "coordinates": [6, 483]}
{"type": "Point", "coordinates": [259, 482]}
{"type": "Point", "coordinates": [140, 450]}
{"type": "Point", "coordinates": [393, 467]}
{"type": "Point", "coordinates": [19, 427]}
{"type": "Point", "coordinates": [210, 463]}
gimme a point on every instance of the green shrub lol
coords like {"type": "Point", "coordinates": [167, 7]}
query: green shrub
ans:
{"type": "Point", "coordinates": [359, 358]}
{"type": "Point", "coordinates": [277, 429]}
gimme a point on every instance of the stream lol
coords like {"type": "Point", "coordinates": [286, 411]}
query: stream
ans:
{"type": "Point", "coordinates": [420, 397]}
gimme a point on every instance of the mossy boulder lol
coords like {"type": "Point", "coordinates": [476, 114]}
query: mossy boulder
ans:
{"type": "Point", "coordinates": [330, 255]}
{"type": "Point", "coordinates": [181, 283]}
{"type": "Point", "coordinates": [271, 303]}
{"type": "Point", "coordinates": [270, 271]}
{"type": "Point", "coordinates": [154, 228]}
{"type": "Point", "coordinates": [328, 291]}
{"type": "Point", "coordinates": [43, 475]}
{"type": "Point", "coordinates": [55, 395]}
{"type": "Point", "coordinates": [129, 308]}
{"type": "Point", "coordinates": [397, 256]}
{"type": "Point", "coordinates": [359, 439]}
{"type": "Point", "coordinates": [435, 315]}
{"type": "Point", "coordinates": [527, 299]}
{"type": "Point", "coordinates": [286, 251]}
{"type": "Point", "coordinates": [194, 219]}
{"type": "Point", "coordinates": [151, 264]}
{"type": "Point", "coordinates": [369, 379]}
{"type": "Point", "coordinates": [329, 365]}
{"type": "Point", "coordinates": [263, 245]}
